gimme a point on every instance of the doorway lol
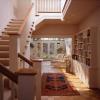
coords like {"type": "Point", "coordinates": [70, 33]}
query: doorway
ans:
{"type": "Point", "coordinates": [48, 48]}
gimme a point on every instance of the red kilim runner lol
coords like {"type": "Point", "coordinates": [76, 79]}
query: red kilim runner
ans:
{"type": "Point", "coordinates": [56, 84]}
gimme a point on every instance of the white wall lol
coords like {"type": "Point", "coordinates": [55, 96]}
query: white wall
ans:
{"type": "Point", "coordinates": [94, 20]}
{"type": "Point", "coordinates": [17, 9]}
{"type": "Point", "coordinates": [22, 8]}
{"type": "Point", "coordinates": [6, 13]}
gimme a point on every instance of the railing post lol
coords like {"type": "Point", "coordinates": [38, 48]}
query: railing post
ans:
{"type": "Point", "coordinates": [37, 64]}
{"type": "Point", "coordinates": [13, 56]}
{"type": "Point", "coordinates": [26, 84]}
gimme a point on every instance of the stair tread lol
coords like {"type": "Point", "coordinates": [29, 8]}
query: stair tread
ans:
{"type": "Point", "coordinates": [4, 51]}
{"type": "Point", "coordinates": [4, 58]}
{"type": "Point", "coordinates": [4, 40]}
{"type": "Point", "coordinates": [4, 61]}
{"type": "Point", "coordinates": [5, 37]}
{"type": "Point", "coordinates": [4, 45]}
{"type": "Point", "coordinates": [4, 54]}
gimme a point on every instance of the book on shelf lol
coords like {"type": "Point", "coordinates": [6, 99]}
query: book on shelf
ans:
{"type": "Point", "coordinates": [84, 43]}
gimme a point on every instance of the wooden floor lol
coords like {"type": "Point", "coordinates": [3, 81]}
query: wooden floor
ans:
{"type": "Point", "coordinates": [85, 93]}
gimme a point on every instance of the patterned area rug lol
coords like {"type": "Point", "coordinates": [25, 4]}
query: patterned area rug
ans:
{"type": "Point", "coordinates": [56, 84]}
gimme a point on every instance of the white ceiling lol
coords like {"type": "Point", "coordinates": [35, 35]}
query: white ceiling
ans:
{"type": "Point", "coordinates": [77, 12]}
{"type": "Point", "coordinates": [80, 9]}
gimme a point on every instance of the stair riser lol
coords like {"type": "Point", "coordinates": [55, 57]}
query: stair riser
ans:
{"type": "Point", "coordinates": [4, 48]}
{"type": "Point", "coordinates": [4, 55]}
{"type": "Point", "coordinates": [5, 62]}
{"type": "Point", "coordinates": [5, 38]}
{"type": "Point", "coordinates": [4, 42]}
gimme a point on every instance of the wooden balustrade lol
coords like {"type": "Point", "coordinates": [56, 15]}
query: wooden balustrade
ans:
{"type": "Point", "coordinates": [37, 64]}
{"type": "Point", "coordinates": [14, 29]}
{"type": "Point", "coordinates": [26, 84]}
{"type": "Point", "coordinates": [20, 77]}
{"type": "Point", "coordinates": [25, 59]}
{"type": "Point", "coordinates": [11, 75]}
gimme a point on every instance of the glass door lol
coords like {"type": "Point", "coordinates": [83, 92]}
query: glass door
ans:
{"type": "Point", "coordinates": [45, 50]}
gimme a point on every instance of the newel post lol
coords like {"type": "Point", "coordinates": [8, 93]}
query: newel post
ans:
{"type": "Point", "coordinates": [13, 62]}
{"type": "Point", "coordinates": [37, 64]}
{"type": "Point", "coordinates": [26, 84]}
{"type": "Point", "coordinates": [13, 51]}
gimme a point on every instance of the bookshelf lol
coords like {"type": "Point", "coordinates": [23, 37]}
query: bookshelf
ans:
{"type": "Point", "coordinates": [84, 46]}
{"type": "Point", "coordinates": [85, 54]}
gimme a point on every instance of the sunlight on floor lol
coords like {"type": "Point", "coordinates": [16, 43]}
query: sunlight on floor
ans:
{"type": "Point", "coordinates": [85, 92]}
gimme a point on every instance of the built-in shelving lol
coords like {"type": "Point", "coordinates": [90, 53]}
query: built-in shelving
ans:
{"type": "Point", "coordinates": [83, 46]}
{"type": "Point", "coordinates": [85, 56]}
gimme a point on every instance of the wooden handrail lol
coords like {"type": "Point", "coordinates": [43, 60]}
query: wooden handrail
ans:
{"type": "Point", "coordinates": [12, 76]}
{"type": "Point", "coordinates": [25, 59]}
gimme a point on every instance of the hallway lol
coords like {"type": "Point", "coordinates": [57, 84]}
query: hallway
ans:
{"type": "Point", "coordinates": [25, 24]}
{"type": "Point", "coordinates": [85, 93]}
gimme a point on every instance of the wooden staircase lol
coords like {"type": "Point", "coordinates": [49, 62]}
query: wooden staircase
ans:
{"type": "Point", "coordinates": [4, 50]}
{"type": "Point", "coordinates": [13, 27]}
{"type": "Point", "coordinates": [9, 58]}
